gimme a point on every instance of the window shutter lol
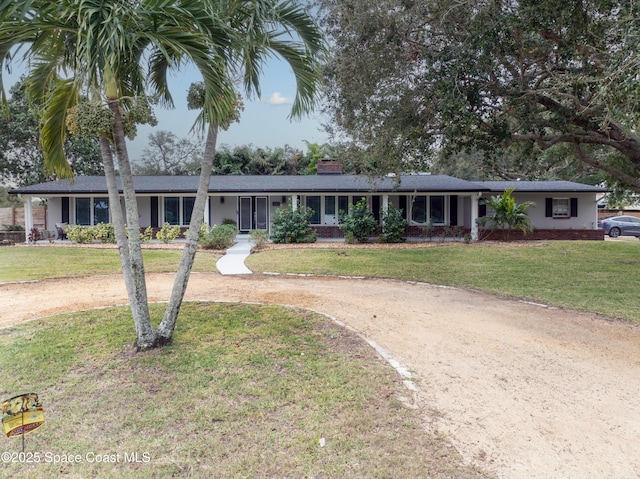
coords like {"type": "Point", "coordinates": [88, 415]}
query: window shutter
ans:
{"type": "Point", "coordinates": [403, 207]}
{"type": "Point", "coordinates": [154, 211]}
{"type": "Point", "coordinates": [574, 207]}
{"type": "Point", "coordinates": [453, 210]}
{"type": "Point", "coordinates": [548, 207]}
{"type": "Point", "coordinates": [65, 209]}
{"type": "Point", "coordinates": [482, 210]}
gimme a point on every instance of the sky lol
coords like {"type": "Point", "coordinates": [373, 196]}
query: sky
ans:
{"type": "Point", "coordinates": [263, 123]}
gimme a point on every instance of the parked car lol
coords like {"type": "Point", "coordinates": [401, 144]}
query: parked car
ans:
{"type": "Point", "coordinates": [620, 226]}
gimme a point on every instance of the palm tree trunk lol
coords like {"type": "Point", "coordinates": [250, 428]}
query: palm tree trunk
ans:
{"type": "Point", "coordinates": [168, 324]}
{"type": "Point", "coordinates": [116, 214]}
{"type": "Point", "coordinates": [146, 336]}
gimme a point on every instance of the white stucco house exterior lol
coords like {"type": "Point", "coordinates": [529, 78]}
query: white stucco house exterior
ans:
{"type": "Point", "coordinates": [564, 210]}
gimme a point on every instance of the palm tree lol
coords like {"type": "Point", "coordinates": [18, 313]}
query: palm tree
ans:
{"type": "Point", "coordinates": [507, 214]}
{"type": "Point", "coordinates": [267, 27]}
{"type": "Point", "coordinates": [99, 47]}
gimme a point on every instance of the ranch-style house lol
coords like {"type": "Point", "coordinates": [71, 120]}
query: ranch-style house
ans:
{"type": "Point", "coordinates": [563, 209]}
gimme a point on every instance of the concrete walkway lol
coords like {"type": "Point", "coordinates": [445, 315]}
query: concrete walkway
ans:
{"type": "Point", "coordinates": [233, 260]}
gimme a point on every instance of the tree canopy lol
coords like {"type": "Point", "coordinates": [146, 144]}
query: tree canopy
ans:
{"type": "Point", "coordinates": [169, 155]}
{"type": "Point", "coordinates": [21, 158]}
{"type": "Point", "coordinates": [409, 78]}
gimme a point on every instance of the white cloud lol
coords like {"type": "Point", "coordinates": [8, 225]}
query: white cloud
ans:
{"type": "Point", "coordinates": [276, 98]}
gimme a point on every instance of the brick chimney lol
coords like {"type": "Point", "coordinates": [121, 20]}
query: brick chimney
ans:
{"type": "Point", "coordinates": [329, 166]}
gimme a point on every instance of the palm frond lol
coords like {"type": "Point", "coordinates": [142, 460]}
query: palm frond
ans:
{"type": "Point", "coordinates": [64, 95]}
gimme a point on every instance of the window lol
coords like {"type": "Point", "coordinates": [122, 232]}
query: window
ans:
{"type": "Point", "coordinates": [172, 210]}
{"type": "Point", "coordinates": [100, 210]}
{"type": "Point", "coordinates": [429, 209]}
{"type": "Point", "coordinates": [343, 205]}
{"type": "Point", "coordinates": [419, 210]}
{"type": "Point", "coordinates": [330, 217]}
{"type": "Point", "coordinates": [560, 207]}
{"type": "Point", "coordinates": [91, 211]}
{"type": "Point", "coordinates": [436, 209]}
{"type": "Point", "coordinates": [178, 210]}
{"type": "Point", "coordinates": [313, 203]}
{"type": "Point", "coordinates": [83, 211]}
{"type": "Point", "coordinates": [187, 209]}
{"type": "Point", "coordinates": [329, 205]}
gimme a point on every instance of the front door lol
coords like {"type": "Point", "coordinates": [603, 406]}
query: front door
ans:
{"type": "Point", "coordinates": [246, 214]}
{"type": "Point", "coordinates": [262, 213]}
{"type": "Point", "coordinates": [254, 213]}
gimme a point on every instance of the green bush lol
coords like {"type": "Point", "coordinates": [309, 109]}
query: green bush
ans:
{"type": "Point", "coordinates": [394, 226]}
{"type": "Point", "coordinates": [259, 238]}
{"type": "Point", "coordinates": [219, 237]}
{"type": "Point", "coordinates": [146, 235]}
{"type": "Point", "coordinates": [168, 233]}
{"type": "Point", "coordinates": [104, 232]}
{"type": "Point", "coordinates": [292, 226]}
{"type": "Point", "coordinates": [507, 214]}
{"type": "Point", "coordinates": [80, 234]}
{"type": "Point", "coordinates": [359, 223]}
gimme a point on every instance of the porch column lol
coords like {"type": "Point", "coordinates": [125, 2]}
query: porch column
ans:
{"type": "Point", "coordinates": [28, 218]}
{"type": "Point", "coordinates": [385, 208]}
{"type": "Point", "coordinates": [294, 202]}
{"type": "Point", "coordinates": [474, 215]}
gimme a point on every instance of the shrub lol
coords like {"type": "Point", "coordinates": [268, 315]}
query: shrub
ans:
{"type": "Point", "coordinates": [507, 214]}
{"type": "Point", "coordinates": [147, 235]}
{"type": "Point", "coordinates": [359, 222]}
{"type": "Point", "coordinates": [428, 230]}
{"type": "Point", "coordinates": [394, 226]}
{"type": "Point", "coordinates": [168, 233]}
{"type": "Point", "coordinates": [34, 235]}
{"type": "Point", "coordinates": [292, 226]}
{"type": "Point", "coordinates": [80, 234]}
{"type": "Point", "coordinates": [219, 237]}
{"type": "Point", "coordinates": [13, 227]}
{"type": "Point", "coordinates": [228, 221]}
{"type": "Point", "coordinates": [104, 232]}
{"type": "Point", "coordinates": [259, 238]}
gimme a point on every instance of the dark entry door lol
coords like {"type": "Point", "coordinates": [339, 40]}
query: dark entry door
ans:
{"type": "Point", "coordinates": [246, 214]}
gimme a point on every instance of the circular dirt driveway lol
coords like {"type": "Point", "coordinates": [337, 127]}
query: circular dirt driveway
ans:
{"type": "Point", "coordinates": [521, 390]}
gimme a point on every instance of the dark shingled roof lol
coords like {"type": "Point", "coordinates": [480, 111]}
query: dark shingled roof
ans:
{"type": "Point", "coordinates": [246, 184]}
{"type": "Point", "coordinates": [163, 185]}
{"type": "Point", "coordinates": [540, 186]}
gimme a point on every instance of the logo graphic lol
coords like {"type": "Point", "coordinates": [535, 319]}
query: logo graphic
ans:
{"type": "Point", "coordinates": [21, 414]}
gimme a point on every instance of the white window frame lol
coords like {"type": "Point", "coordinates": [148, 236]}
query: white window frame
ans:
{"type": "Point", "coordinates": [428, 208]}
{"type": "Point", "coordinates": [560, 210]}
{"type": "Point", "coordinates": [320, 213]}
{"type": "Point", "coordinates": [180, 209]}
{"type": "Point", "coordinates": [92, 206]}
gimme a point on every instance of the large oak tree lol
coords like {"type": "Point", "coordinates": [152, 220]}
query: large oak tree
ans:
{"type": "Point", "coordinates": [408, 78]}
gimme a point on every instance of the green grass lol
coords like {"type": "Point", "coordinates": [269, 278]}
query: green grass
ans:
{"type": "Point", "coordinates": [243, 391]}
{"type": "Point", "coordinates": [23, 263]}
{"type": "Point", "coordinates": [597, 276]}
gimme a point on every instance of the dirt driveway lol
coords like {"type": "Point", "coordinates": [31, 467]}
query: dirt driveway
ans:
{"type": "Point", "coordinates": [522, 390]}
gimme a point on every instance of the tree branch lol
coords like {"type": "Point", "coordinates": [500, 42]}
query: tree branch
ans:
{"type": "Point", "coordinates": [628, 179]}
